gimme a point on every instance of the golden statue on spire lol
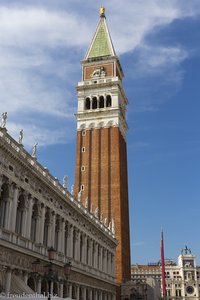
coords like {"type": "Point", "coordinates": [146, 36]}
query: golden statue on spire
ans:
{"type": "Point", "coordinates": [102, 10]}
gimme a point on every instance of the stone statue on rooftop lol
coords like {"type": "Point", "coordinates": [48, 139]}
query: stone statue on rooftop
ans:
{"type": "Point", "coordinates": [91, 208]}
{"type": "Point", "coordinates": [65, 178]}
{"type": "Point", "coordinates": [79, 196]}
{"type": "Point", "coordinates": [34, 150]}
{"type": "Point", "coordinates": [110, 226]}
{"type": "Point", "coordinates": [4, 118]}
{"type": "Point", "coordinates": [96, 213]}
{"type": "Point", "coordinates": [113, 226]}
{"type": "Point", "coordinates": [101, 218]}
{"type": "Point", "coordinates": [21, 135]}
{"type": "Point", "coordinates": [86, 202]}
{"type": "Point", "coordinates": [72, 190]}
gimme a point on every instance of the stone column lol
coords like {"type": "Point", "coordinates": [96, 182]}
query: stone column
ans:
{"type": "Point", "coordinates": [113, 297]}
{"type": "Point", "coordinates": [96, 295]}
{"type": "Point", "coordinates": [100, 295]}
{"type": "Point", "coordinates": [38, 288]}
{"type": "Point", "coordinates": [90, 252]}
{"type": "Point", "coordinates": [70, 241]}
{"type": "Point", "coordinates": [14, 208]}
{"type": "Point", "coordinates": [95, 254]}
{"type": "Point", "coordinates": [77, 247]}
{"type": "Point", "coordinates": [53, 229]}
{"type": "Point", "coordinates": [42, 220]}
{"type": "Point", "coordinates": [52, 288]}
{"type": "Point", "coordinates": [70, 290]}
{"type": "Point", "coordinates": [77, 292]}
{"type": "Point", "coordinates": [61, 290]}
{"type": "Point", "coordinates": [109, 264]}
{"type": "Point", "coordinates": [8, 281]}
{"type": "Point", "coordinates": [90, 294]}
{"type": "Point", "coordinates": [105, 261]}
{"type": "Point", "coordinates": [8, 212]}
{"type": "Point", "coordinates": [84, 248]}
{"type": "Point", "coordinates": [30, 203]}
{"type": "Point", "coordinates": [101, 259]}
{"type": "Point", "coordinates": [63, 236]}
{"type": "Point", "coordinates": [84, 293]}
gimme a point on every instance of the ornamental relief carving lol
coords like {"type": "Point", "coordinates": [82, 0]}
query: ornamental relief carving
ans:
{"type": "Point", "coordinates": [13, 260]}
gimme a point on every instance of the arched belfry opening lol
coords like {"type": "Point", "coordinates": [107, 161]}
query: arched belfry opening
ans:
{"type": "Point", "coordinates": [108, 101]}
{"type": "Point", "coordinates": [94, 103]}
{"type": "Point", "coordinates": [87, 103]}
{"type": "Point", "coordinates": [101, 102]}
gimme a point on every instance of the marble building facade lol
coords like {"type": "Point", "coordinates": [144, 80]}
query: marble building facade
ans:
{"type": "Point", "coordinates": [37, 212]}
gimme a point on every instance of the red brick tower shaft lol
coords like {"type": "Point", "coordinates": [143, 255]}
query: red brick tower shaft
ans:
{"type": "Point", "coordinates": [101, 156]}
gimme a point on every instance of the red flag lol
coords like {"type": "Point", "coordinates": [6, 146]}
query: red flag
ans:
{"type": "Point", "coordinates": [164, 292]}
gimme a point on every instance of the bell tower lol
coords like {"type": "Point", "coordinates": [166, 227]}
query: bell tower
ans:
{"type": "Point", "coordinates": [101, 157]}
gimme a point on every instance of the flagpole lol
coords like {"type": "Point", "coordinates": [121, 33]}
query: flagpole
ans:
{"type": "Point", "coordinates": [164, 291]}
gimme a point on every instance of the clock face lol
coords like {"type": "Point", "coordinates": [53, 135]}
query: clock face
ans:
{"type": "Point", "coordinates": [190, 289]}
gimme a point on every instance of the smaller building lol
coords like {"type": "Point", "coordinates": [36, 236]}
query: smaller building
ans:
{"type": "Point", "coordinates": [182, 279]}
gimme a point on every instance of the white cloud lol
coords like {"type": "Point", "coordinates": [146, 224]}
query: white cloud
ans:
{"type": "Point", "coordinates": [33, 134]}
{"type": "Point", "coordinates": [30, 26]}
{"type": "Point", "coordinates": [39, 42]}
{"type": "Point", "coordinates": [132, 21]}
{"type": "Point", "coordinates": [154, 59]}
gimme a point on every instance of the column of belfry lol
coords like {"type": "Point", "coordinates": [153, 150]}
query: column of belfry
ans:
{"type": "Point", "coordinates": [101, 156]}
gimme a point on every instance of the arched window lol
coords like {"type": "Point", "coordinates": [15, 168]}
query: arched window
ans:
{"type": "Point", "coordinates": [55, 288]}
{"type": "Point", "coordinates": [31, 283]}
{"type": "Point", "coordinates": [46, 228]}
{"type": "Point", "coordinates": [101, 102]}
{"type": "Point", "coordinates": [4, 204]}
{"type": "Point", "coordinates": [65, 290]}
{"type": "Point", "coordinates": [81, 293]}
{"type": "Point", "coordinates": [34, 221]}
{"type": "Point", "coordinates": [94, 102]}
{"type": "Point", "coordinates": [73, 292]}
{"type": "Point", "coordinates": [87, 103]}
{"type": "Point", "coordinates": [87, 294]}
{"type": "Point", "coordinates": [108, 101]}
{"type": "Point", "coordinates": [20, 214]}
{"type": "Point", "coordinates": [57, 229]}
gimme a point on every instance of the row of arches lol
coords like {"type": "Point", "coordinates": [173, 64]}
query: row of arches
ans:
{"type": "Point", "coordinates": [98, 102]}
{"type": "Point", "coordinates": [69, 289]}
{"type": "Point", "coordinates": [44, 289]}
{"type": "Point", "coordinates": [40, 224]}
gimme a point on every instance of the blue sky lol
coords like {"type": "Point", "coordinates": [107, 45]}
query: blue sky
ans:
{"type": "Point", "coordinates": [41, 45]}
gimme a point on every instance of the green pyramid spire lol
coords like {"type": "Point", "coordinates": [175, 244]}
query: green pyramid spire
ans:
{"type": "Point", "coordinates": [101, 44]}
